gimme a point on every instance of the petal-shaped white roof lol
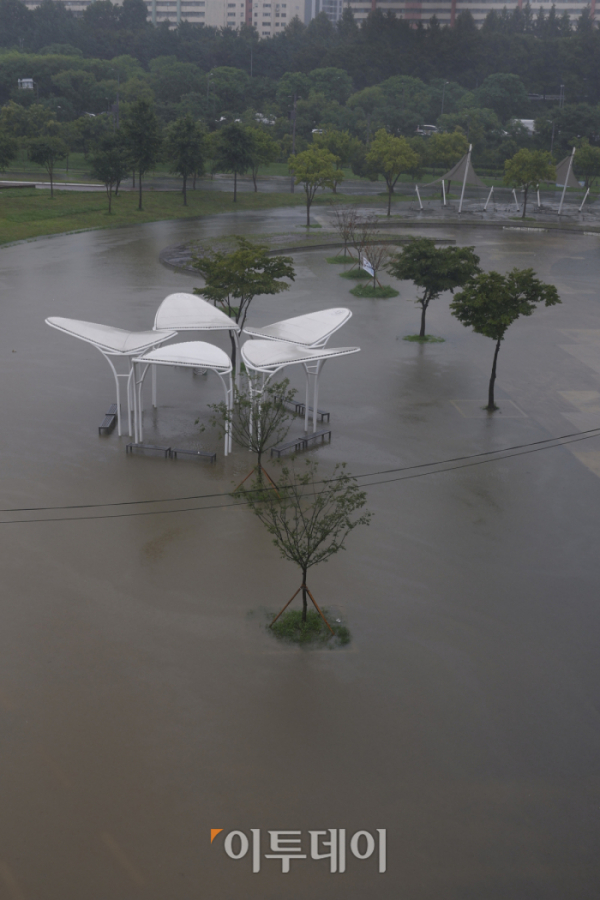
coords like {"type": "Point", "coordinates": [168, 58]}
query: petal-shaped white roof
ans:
{"type": "Point", "coordinates": [186, 312]}
{"type": "Point", "coordinates": [116, 341]}
{"type": "Point", "coordinates": [312, 328]}
{"type": "Point", "coordinates": [190, 353]}
{"type": "Point", "coordinates": [274, 354]}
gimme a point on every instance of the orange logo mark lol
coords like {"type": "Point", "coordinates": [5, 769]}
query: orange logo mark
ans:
{"type": "Point", "coordinates": [214, 832]}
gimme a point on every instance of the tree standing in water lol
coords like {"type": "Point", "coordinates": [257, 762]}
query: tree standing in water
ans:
{"type": "Point", "coordinates": [491, 302]}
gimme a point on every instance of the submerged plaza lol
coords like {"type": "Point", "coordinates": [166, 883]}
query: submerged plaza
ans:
{"type": "Point", "coordinates": [144, 700]}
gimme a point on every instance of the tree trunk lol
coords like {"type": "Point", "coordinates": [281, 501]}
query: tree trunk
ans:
{"type": "Point", "coordinates": [307, 211]}
{"type": "Point", "coordinates": [525, 201]}
{"type": "Point", "coordinates": [254, 180]}
{"type": "Point", "coordinates": [233, 351]}
{"type": "Point", "coordinates": [140, 186]}
{"type": "Point", "coordinates": [235, 187]}
{"type": "Point", "coordinates": [491, 407]}
{"type": "Point", "coordinates": [185, 190]}
{"type": "Point", "coordinates": [390, 201]}
{"type": "Point", "coordinates": [304, 602]}
{"type": "Point", "coordinates": [109, 192]}
{"type": "Point", "coordinates": [133, 179]}
{"type": "Point", "coordinates": [194, 182]}
{"type": "Point", "coordinates": [51, 173]}
{"type": "Point", "coordinates": [423, 314]}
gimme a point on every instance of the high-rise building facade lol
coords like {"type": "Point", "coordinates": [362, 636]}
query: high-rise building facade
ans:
{"type": "Point", "coordinates": [447, 10]}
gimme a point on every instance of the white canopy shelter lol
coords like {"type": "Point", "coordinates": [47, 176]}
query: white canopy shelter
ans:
{"type": "Point", "coordinates": [270, 357]}
{"type": "Point", "coordinates": [311, 330]}
{"type": "Point", "coordinates": [110, 342]}
{"type": "Point", "coordinates": [188, 312]}
{"type": "Point", "coordinates": [463, 172]}
{"type": "Point", "coordinates": [192, 355]}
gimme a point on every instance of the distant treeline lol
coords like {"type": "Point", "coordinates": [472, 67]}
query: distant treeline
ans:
{"type": "Point", "coordinates": [544, 50]}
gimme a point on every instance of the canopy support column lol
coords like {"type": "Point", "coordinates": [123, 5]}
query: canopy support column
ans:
{"type": "Point", "coordinates": [444, 191]}
{"type": "Point", "coordinates": [584, 199]}
{"type": "Point", "coordinates": [419, 196]}
{"type": "Point", "coordinates": [464, 184]}
{"type": "Point", "coordinates": [516, 201]}
{"type": "Point", "coordinates": [489, 198]}
{"type": "Point", "coordinates": [562, 199]}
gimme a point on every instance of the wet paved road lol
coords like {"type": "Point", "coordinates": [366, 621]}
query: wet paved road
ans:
{"type": "Point", "coordinates": [142, 702]}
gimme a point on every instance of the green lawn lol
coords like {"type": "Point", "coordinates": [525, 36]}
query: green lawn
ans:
{"type": "Point", "coordinates": [28, 213]}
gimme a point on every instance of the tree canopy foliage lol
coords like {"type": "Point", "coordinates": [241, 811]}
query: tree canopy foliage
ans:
{"type": "Point", "coordinates": [491, 302]}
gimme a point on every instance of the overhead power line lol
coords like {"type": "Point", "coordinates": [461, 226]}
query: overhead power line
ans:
{"type": "Point", "coordinates": [433, 468]}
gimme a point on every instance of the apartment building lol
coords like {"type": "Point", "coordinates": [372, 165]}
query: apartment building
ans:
{"type": "Point", "coordinates": [447, 10]}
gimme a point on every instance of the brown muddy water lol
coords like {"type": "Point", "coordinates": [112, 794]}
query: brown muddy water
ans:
{"type": "Point", "coordinates": [142, 702]}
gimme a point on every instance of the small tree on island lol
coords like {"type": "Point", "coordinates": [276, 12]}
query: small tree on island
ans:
{"type": "Point", "coordinates": [345, 219]}
{"type": "Point", "coordinates": [391, 156]}
{"type": "Point", "coordinates": [309, 521]}
{"type": "Point", "coordinates": [314, 168]}
{"type": "Point", "coordinates": [256, 420]}
{"type": "Point", "coordinates": [240, 276]}
{"type": "Point", "coordinates": [527, 169]}
{"type": "Point", "coordinates": [184, 149]}
{"type": "Point", "coordinates": [433, 269]}
{"type": "Point", "coordinates": [110, 163]}
{"type": "Point", "coordinates": [492, 302]}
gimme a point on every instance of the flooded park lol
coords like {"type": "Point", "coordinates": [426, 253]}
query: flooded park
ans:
{"type": "Point", "coordinates": [143, 700]}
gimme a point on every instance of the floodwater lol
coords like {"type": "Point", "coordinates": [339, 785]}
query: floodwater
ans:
{"type": "Point", "coordinates": [143, 703]}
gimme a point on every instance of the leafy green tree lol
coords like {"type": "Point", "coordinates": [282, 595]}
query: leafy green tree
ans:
{"type": "Point", "coordinates": [170, 79]}
{"type": "Point", "coordinates": [184, 149]}
{"type": "Point", "coordinates": [8, 149]}
{"type": "Point", "coordinates": [110, 163]}
{"type": "Point", "coordinates": [314, 168]}
{"type": "Point", "coordinates": [340, 143]}
{"type": "Point", "coordinates": [433, 269]}
{"type": "Point", "coordinates": [491, 302]}
{"type": "Point", "coordinates": [143, 138]}
{"type": "Point", "coordinates": [233, 279]}
{"type": "Point", "coordinates": [232, 152]}
{"type": "Point", "coordinates": [587, 162]}
{"type": "Point", "coordinates": [445, 150]}
{"type": "Point", "coordinates": [527, 169]}
{"type": "Point", "coordinates": [309, 520]}
{"type": "Point", "coordinates": [391, 156]}
{"type": "Point", "coordinates": [46, 151]}
{"type": "Point", "coordinates": [264, 150]}
{"type": "Point", "coordinates": [290, 85]}
{"type": "Point", "coordinates": [504, 93]}
{"type": "Point", "coordinates": [334, 84]}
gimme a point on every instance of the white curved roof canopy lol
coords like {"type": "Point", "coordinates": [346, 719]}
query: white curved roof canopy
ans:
{"type": "Point", "coordinates": [308, 330]}
{"type": "Point", "coordinates": [114, 341]}
{"type": "Point", "coordinates": [198, 354]}
{"type": "Point", "coordinates": [187, 312]}
{"type": "Point", "coordinates": [265, 356]}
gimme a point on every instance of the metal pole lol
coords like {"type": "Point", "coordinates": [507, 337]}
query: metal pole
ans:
{"type": "Point", "coordinates": [419, 196]}
{"type": "Point", "coordinates": [566, 180]}
{"type": "Point", "coordinates": [444, 191]}
{"type": "Point", "coordinates": [293, 138]}
{"type": "Point", "coordinates": [516, 201]}
{"type": "Point", "coordinates": [488, 199]}
{"type": "Point", "coordinates": [462, 193]}
{"type": "Point", "coordinates": [584, 199]}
